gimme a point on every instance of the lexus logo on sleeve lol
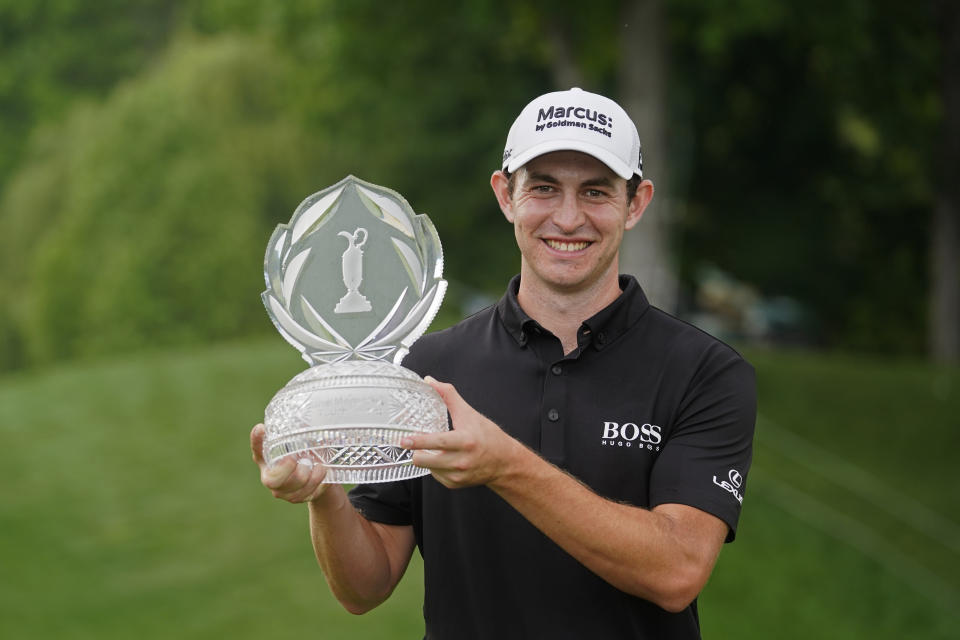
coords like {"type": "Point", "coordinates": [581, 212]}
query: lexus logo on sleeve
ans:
{"type": "Point", "coordinates": [732, 484]}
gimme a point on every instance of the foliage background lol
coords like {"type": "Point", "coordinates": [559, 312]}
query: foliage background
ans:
{"type": "Point", "coordinates": [149, 147]}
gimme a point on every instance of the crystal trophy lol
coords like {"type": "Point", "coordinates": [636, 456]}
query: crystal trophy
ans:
{"type": "Point", "coordinates": [352, 281]}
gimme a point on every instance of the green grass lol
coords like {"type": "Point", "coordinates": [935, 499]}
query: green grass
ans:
{"type": "Point", "coordinates": [850, 526]}
{"type": "Point", "coordinates": [130, 507]}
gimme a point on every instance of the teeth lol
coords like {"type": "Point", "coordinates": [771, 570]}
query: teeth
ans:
{"type": "Point", "coordinates": [567, 246]}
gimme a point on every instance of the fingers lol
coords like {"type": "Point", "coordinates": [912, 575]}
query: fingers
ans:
{"type": "Point", "coordinates": [289, 478]}
{"type": "Point", "coordinates": [435, 460]}
{"type": "Point", "coordinates": [256, 444]}
{"type": "Point", "coordinates": [313, 486]}
{"type": "Point", "coordinates": [449, 451]}
{"type": "Point", "coordinates": [277, 476]}
{"type": "Point", "coordinates": [473, 453]}
{"type": "Point", "coordinates": [449, 395]}
{"type": "Point", "coordinates": [452, 470]}
{"type": "Point", "coordinates": [294, 480]}
{"type": "Point", "coordinates": [465, 423]}
{"type": "Point", "coordinates": [462, 415]}
{"type": "Point", "coordinates": [446, 440]}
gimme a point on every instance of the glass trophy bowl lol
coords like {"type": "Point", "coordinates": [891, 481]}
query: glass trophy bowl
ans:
{"type": "Point", "coordinates": [352, 281]}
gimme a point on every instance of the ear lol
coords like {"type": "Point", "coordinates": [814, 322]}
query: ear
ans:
{"type": "Point", "coordinates": [638, 205]}
{"type": "Point", "coordinates": [498, 181]}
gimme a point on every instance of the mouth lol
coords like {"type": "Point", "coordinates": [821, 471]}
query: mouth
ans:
{"type": "Point", "coordinates": [567, 246]}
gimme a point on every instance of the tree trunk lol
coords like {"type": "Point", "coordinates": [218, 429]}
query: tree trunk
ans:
{"type": "Point", "coordinates": [642, 92]}
{"type": "Point", "coordinates": [945, 230]}
{"type": "Point", "coordinates": [565, 70]}
{"type": "Point", "coordinates": [646, 251]}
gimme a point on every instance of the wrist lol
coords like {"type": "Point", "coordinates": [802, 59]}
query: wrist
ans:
{"type": "Point", "coordinates": [514, 463]}
{"type": "Point", "coordinates": [330, 498]}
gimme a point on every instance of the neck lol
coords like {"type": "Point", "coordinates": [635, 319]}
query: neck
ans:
{"type": "Point", "coordinates": [562, 312]}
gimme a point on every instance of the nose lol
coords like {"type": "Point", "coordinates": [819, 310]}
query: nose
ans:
{"type": "Point", "coordinates": [568, 217]}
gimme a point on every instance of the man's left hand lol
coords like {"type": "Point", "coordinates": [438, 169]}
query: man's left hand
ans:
{"type": "Point", "coordinates": [476, 452]}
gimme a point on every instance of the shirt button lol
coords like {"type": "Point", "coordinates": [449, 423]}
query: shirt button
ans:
{"type": "Point", "coordinates": [523, 338]}
{"type": "Point", "coordinates": [553, 415]}
{"type": "Point", "coordinates": [556, 369]}
{"type": "Point", "coordinates": [602, 337]}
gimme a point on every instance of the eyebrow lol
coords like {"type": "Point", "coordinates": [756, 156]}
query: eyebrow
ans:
{"type": "Point", "coordinates": [602, 181]}
{"type": "Point", "coordinates": [541, 177]}
{"type": "Point", "coordinates": [598, 182]}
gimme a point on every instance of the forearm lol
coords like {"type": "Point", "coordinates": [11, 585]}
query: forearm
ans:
{"type": "Point", "coordinates": [354, 557]}
{"type": "Point", "coordinates": [362, 561]}
{"type": "Point", "coordinates": [664, 555]}
{"type": "Point", "coordinates": [642, 552]}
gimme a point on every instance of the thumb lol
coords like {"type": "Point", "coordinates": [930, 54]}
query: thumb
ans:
{"type": "Point", "coordinates": [450, 396]}
{"type": "Point", "coordinates": [256, 444]}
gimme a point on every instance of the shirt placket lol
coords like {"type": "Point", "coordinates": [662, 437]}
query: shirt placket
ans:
{"type": "Point", "coordinates": [554, 400]}
{"type": "Point", "coordinates": [554, 415]}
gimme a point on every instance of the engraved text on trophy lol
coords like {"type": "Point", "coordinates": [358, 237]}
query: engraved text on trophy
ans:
{"type": "Point", "coordinates": [353, 301]}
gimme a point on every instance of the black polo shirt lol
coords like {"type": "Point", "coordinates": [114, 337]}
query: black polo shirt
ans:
{"type": "Point", "coordinates": [647, 410]}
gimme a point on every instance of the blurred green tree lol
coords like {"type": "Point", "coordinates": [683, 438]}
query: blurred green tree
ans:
{"type": "Point", "coordinates": [141, 221]}
{"type": "Point", "coordinates": [420, 100]}
{"type": "Point", "coordinates": [55, 51]}
{"type": "Point", "coordinates": [945, 231]}
{"type": "Point", "coordinates": [802, 169]}
{"type": "Point", "coordinates": [809, 160]}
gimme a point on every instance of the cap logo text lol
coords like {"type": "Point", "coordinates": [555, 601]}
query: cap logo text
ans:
{"type": "Point", "coordinates": [584, 119]}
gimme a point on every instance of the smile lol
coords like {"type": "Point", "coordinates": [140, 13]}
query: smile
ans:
{"type": "Point", "coordinates": [566, 246]}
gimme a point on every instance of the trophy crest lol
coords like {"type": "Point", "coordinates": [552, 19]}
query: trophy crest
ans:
{"type": "Point", "coordinates": [353, 312]}
{"type": "Point", "coordinates": [393, 255]}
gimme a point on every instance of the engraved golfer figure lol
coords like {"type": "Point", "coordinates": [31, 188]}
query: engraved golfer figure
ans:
{"type": "Point", "coordinates": [353, 301]}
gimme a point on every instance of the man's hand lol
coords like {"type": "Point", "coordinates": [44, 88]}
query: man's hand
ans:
{"type": "Point", "coordinates": [476, 452]}
{"type": "Point", "coordinates": [362, 560]}
{"type": "Point", "coordinates": [288, 479]}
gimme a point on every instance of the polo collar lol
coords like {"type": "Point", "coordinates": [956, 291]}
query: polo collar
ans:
{"type": "Point", "coordinates": [601, 329]}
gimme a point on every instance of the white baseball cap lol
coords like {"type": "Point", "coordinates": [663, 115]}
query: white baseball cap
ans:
{"type": "Point", "coordinates": [575, 120]}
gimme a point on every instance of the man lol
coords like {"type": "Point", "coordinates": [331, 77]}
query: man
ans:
{"type": "Point", "coordinates": [599, 446]}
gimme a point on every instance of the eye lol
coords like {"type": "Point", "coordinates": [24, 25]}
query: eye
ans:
{"type": "Point", "coordinates": [595, 193]}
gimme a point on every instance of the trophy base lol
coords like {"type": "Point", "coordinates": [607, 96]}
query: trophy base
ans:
{"type": "Point", "coordinates": [350, 417]}
{"type": "Point", "coordinates": [352, 455]}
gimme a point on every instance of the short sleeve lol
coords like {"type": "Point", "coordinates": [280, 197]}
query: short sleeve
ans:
{"type": "Point", "coordinates": [387, 502]}
{"type": "Point", "coordinates": [707, 454]}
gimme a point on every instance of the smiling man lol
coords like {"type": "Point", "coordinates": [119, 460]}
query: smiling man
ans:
{"type": "Point", "coordinates": [600, 447]}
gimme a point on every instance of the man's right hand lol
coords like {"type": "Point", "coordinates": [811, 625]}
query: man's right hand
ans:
{"type": "Point", "coordinates": [288, 479]}
{"type": "Point", "coordinates": [362, 560]}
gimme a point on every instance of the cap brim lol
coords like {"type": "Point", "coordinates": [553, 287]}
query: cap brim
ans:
{"type": "Point", "coordinates": [613, 162]}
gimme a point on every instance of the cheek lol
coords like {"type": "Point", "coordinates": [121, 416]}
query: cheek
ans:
{"type": "Point", "coordinates": [524, 223]}
{"type": "Point", "coordinates": [533, 213]}
{"type": "Point", "coordinates": [526, 241]}
{"type": "Point", "coordinates": [611, 224]}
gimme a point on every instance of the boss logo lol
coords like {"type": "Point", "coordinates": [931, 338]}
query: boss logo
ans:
{"type": "Point", "coordinates": [630, 434]}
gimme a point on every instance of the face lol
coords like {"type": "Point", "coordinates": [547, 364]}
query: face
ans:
{"type": "Point", "coordinates": [569, 213]}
